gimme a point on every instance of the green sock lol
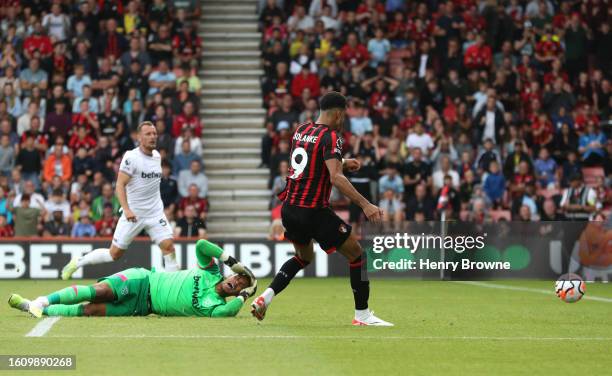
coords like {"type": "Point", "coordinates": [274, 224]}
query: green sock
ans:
{"type": "Point", "coordinates": [64, 310]}
{"type": "Point", "coordinates": [72, 295]}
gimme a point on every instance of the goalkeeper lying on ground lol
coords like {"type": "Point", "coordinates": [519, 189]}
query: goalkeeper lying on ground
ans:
{"type": "Point", "coordinates": [138, 292]}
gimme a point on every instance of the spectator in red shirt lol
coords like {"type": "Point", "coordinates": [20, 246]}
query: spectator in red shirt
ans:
{"type": "Point", "coordinates": [473, 20]}
{"type": "Point", "coordinates": [583, 117]}
{"type": "Point", "coordinates": [187, 119]}
{"type": "Point", "coordinates": [200, 204]}
{"type": "Point", "coordinates": [560, 19]}
{"type": "Point", "coordinates": [556, 71]}
{"type": "Point", "coordinates": [411, 118]}
{"type": "Point", "coordinates": [6, 230]}
{"type": "Point", "coordinates": [38, 44]}
{"type": "Point", "coordinates": [521, 179]}
{"type": "Point", "coordinates": [106, 225]}
{"type": "Point", "coordinates": [398, 31]}
{"type": "Point", "coordinates": [542, 131]}
{"type": "Point", "coordinates": [305, 80]}
{"type": "Point", "coordinates": [354, 54]}
{"type": "Point", "coordinates": [530, 95]}
{"type": "Point", "coordinates": [41, 140]}
{"type": "Point", "coordinates": [370, 9]}
{"type": "Point", "coordinates": [478, 55]}
{"type": "Point", "coordinates": [276, 31]}
{"type": "Point", "coordinates": [81, 139]}
{"type": "Point", "coordinates": [548, 48]}
{"type": "Point", "coordinates": [187, 44]}
{"type": "Point", "coordinates": [86, 119]}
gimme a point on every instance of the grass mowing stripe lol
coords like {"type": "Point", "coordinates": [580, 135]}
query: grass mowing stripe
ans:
{"type": "Point", "coordinates": [529, 289]}
{"type": "Point", "coordinates": [296, 337]}
{"type": "Point", "coordinates": [42, 327]}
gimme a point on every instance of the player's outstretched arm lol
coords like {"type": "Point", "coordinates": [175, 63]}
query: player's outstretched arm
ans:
{"type": "Point", "coordinates": [206, 250]}
{"type": "Point", "coordinates": [232, 308]}
{"type": "Point", "coordinates": [340, 181]}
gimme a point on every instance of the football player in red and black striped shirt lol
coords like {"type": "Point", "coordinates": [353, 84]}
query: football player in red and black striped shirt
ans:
{"type": "Point", "coordinates": [316, 165]}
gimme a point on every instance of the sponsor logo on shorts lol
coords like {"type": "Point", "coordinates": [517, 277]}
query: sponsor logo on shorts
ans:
{"type": "Point", "coordinates": [342, 228]}
{"type": "Point", "coordinates": [163, 222]}
{"type": "Point", "coordinates": [124, 291]}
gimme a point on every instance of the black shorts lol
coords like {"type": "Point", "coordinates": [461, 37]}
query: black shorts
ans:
{"type": "Point", "coordinates": [320, 224]}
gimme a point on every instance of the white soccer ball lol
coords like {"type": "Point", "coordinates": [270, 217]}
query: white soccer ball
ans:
{"type": "Point", "coordinates": [570, 288]}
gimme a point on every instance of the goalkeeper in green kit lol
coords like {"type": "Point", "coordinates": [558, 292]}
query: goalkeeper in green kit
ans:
{"type": "Point", "coordinates": [199, 291]}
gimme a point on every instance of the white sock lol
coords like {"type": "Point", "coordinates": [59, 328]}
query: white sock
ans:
{"type": "Point", "coordinates": [268, 295]}
{"type": "Point", "coordinates": [362, 314]}
{"type": "Point", "coordinates": [170, 264]}
{"type": "Point", "coordinates": [41, 301]}
{"type": "Point", "coordinates": [97, 256]}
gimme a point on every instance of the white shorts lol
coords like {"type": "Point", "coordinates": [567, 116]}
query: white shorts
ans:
{"type": "Point", "coordinates": [156, 226]}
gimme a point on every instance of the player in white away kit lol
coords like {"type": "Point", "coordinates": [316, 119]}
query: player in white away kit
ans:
{"type": "Point", "coordinates": [138, 193]}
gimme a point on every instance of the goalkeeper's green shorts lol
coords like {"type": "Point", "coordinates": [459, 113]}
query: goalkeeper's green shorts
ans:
{"type": "Point", "coordinates": [131, 288]}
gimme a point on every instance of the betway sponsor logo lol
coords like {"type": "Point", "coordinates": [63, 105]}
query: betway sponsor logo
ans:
{"type": "Point", "coordinates": [150, 175]}
{"type": "Point", "coordinates": [196, 291]}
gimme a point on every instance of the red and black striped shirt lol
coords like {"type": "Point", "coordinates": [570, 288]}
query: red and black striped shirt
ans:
{"type": "Point", "coordinates": [308, 183]}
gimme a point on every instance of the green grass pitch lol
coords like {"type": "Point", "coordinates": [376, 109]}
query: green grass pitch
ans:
{"type": "Point", "coordinates": [442, 328]}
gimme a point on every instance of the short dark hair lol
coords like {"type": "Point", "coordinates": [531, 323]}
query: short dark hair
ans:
{"type": "Point", "coordinates": [332, 100]}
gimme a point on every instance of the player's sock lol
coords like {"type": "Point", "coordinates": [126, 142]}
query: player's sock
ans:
{"type": "Point", "coordinates": [286, 274]}
{"type": "Point", "coordinates": [64, 310]}
{"type": "Point", "coordinates": [170, 264]}
{"type": "Point", "coordinates": [41, 301]}
{"type": "Point", "coordinates": [362, 314]}
{"type": "Point", "coordinates": [268, 295]}
{"type": "Point", "coordinates": [71, 295]}
{"type": "Point", "coordinates": [360, 283]}
{"type": "Point", "coordinates": [97, 256]}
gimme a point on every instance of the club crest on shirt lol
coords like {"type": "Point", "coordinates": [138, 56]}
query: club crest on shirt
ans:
{"type": "Point", "coordinates": [339, 143]}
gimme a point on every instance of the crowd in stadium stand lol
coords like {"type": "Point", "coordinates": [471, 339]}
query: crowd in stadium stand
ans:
{"type": "Point", "coordinates": [76, 79]}
{"type": "Point", "coordinates": [482, 110]}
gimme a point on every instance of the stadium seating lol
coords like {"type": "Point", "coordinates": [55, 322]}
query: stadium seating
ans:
{"type": "Point", "coordinates": [438, 65]}
{"type": "Point", "coordinates": [80, 76]}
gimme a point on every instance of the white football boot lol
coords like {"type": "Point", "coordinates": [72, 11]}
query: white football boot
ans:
{"type": "Point", "coordinates": [370, 320]}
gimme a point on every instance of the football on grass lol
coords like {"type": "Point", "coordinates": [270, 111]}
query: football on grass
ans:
{"type": "Point", "coordinates": [570, 288]}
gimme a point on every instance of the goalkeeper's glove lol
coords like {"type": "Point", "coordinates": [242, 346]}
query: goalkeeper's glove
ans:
{"type": "Point", "coordinates": [249, 291]}
{"type": "Point", "coordinates": [251, 276]}
{"type": "Point", "coordinates": [234, 264]}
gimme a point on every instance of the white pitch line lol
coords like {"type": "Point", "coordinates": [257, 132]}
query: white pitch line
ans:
{"type": "Point", "coordinates": [295, 337]}
{"type": "Point", "coordinates": [42, 327]}
{"type": "Point", "coordinates": [529, 289]}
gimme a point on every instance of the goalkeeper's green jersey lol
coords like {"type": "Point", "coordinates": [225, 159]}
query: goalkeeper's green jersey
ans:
{"type": "Point", "coordinates": [192, 292]}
